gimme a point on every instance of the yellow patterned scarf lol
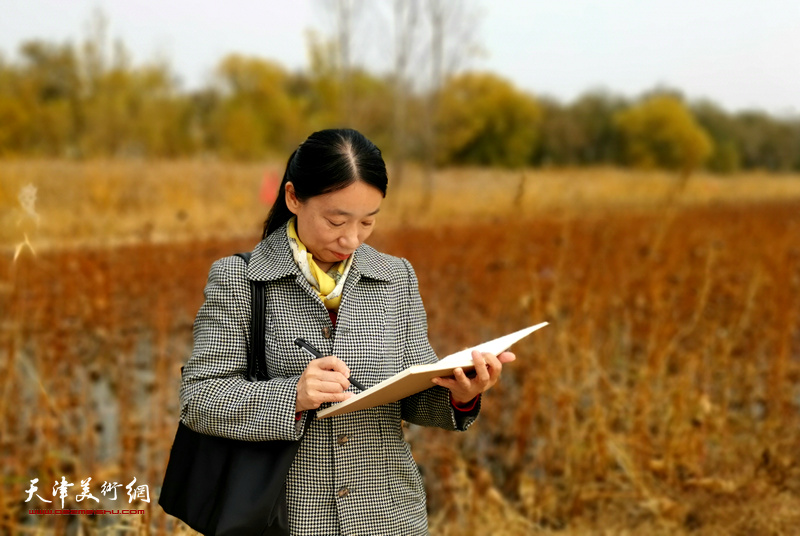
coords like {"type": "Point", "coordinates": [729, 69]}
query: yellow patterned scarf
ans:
{"type": "Point", "coordinates": [329, 285]}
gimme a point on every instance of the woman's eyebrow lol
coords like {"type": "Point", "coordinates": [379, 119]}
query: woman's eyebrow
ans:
{"type": "Point", "coordinates": [340, 212]}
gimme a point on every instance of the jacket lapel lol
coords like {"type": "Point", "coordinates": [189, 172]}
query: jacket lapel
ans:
{"type": "Point", "coordinates": [272, 259]}
{"type": "Point", "coordinates": [369, 263]}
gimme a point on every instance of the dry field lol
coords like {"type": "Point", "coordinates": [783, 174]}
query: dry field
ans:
{"type": "Point", "coordinates": [663, 399]}
{"type": "Point", "coordinates": [110, 203]}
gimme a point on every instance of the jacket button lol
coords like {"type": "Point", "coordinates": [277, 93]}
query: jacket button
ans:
{"type": "Point", "coordinates": [326, 332]}
{"type": "Point", "coordinates": [343, 492]}
{"type": "Point", "coordinates": [342, 439]}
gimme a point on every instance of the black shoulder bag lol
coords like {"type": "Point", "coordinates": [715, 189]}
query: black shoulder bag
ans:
{"type": "Point", "coordinates": [222, 486]}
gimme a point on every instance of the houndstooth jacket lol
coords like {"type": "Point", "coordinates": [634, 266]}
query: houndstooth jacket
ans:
{"type": "Point", "coordinates": [354, 474]}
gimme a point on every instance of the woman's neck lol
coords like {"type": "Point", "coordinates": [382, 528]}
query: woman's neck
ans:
{"type": "Point", "coordinates": [324, 266]}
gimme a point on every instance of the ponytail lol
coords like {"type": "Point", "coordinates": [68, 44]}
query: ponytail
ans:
{"type": "Point", "coordinates": [279, 213]}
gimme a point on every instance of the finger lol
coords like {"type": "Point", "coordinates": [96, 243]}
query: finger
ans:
{"type": "Point", "coordinates": [330, 376]}
{"type": "Point", "coordinates": [506, 357]}
{"type": "Point", "coordinates": [461, 379]}
{"type": "Point", "coordinates": [448, 382]}
{"type": "Point", "coordinates": [336, 397]}
{"type": "Point", "coordinates": [481, 370]}
{"type": "Point", "coordinates": [330, 362]}
{"type": "Point", "coordinates": [444, 382]}
{"type": "Point", "coordinates": [458, 381]}
{"type": "Point", "coordinates": [320, 398]}
{"type": "Point", "coordinates": [331, 382]}
{"type": "Point", "coordinates": [336, 364]}
{"type": "Point", "coordinates": [494, 365]}
{"type": "Point", "coordinates": [341, 367]}
{"type": "Point", "coordinates": [326, 387]}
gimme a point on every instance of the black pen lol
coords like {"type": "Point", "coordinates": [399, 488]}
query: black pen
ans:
{"type": "Point", "coordinates": [302, 343]}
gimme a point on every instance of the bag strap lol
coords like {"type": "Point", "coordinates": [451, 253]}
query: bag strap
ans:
{"type": "Point", "coordinates": [256, 358]}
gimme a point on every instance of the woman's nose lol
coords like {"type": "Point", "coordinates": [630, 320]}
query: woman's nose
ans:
{"type": "Point", "coordinates": [349, 239]}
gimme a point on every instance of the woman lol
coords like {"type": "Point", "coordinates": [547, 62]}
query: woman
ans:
{"type": "Point", "coordinates": [353, 474]}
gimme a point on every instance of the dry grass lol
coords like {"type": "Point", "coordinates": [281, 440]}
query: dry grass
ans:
{"type": "Point", "coordinates": [101, 203]}
{"type": "Point", "coordinates": [663, 399]}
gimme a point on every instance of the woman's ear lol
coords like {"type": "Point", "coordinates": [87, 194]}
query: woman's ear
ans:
{"type": "Point", "coordinates": [292, 203]}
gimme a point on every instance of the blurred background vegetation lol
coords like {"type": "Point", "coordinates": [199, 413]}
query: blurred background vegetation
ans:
{"type": "Point", "coordinates": [90, 99]}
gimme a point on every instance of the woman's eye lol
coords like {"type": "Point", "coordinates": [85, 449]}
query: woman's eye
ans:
{"type": "Point", "coordinates": [336, 224]}
{"type": "Point", "coordinates": [367, 223]}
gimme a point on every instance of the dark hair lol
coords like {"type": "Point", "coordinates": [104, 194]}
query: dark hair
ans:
{"type": "Point", "coordinates": [327, 161]}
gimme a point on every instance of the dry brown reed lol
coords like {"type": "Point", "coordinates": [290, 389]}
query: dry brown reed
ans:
{"type": "Point", "coordinates": [116, 202]}
{"type": "Point", "coordinates": [663, 399]}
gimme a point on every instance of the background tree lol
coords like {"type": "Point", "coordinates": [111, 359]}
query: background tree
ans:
{"type": "Point", "coordinates": [582, 133]}
{"type": "Point", "coordinates": [726, 155]}
{"type": "Point", "coordinates": [766, 143]}
{"type": "Point", "coordinates": [319, 94]}
{"type": "Point", "coordinates": [257, 112]}
{"type": "Point", "coordinates": [15, 120]}
{"type": "Point", "coordinates": [109, 97]}
{"type": "Point", "coordinates": [595, 112]}
{"type": "Point", "coordinates": [405, 19]}
{"type": "Point", "coordinates": [661, 132]}
{"type": "Point", "coordinates": [346, 16]}
{"type": "Point", "coordinates": [320, 88]}
{"type": "Point", "coordinates": [49, 90]}
{"type": "Point", "coordinates": [485, 120]}
{"type": "Point", "coordinates": [563, 137]}
{"type": "Point", "coordinates": [451, 31]}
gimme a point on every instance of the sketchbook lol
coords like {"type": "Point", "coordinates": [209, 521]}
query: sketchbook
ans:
{"type": "Point", "coordinates": [418, 378]}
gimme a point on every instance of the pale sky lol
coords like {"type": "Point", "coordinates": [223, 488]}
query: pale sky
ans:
{"type": "Point", "coordinates": [740, 53]}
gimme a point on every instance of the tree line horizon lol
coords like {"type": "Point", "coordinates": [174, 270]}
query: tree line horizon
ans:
{"type": "Point", "coordinates": [59, 100]}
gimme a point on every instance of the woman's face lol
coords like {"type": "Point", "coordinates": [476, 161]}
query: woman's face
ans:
{"type": "Point", "coordinates": [333, 225]}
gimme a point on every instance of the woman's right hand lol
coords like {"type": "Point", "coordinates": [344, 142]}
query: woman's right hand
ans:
{"type": "Point", "coordinates": [323, 380]}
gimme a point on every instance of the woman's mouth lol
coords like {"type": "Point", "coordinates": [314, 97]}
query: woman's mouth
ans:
{"type": "Point", "coordinates": [340, 256]}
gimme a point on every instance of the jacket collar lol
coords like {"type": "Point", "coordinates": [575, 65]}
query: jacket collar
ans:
{"type": "Point", "coordinates": [272, 259]}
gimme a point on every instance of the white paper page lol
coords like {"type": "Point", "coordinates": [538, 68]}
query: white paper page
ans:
{"type": "Point", "coordinates": [494, 346]}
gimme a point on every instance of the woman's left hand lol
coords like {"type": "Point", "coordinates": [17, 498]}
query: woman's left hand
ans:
{"type": "Point", "coordinates": [487, 371]}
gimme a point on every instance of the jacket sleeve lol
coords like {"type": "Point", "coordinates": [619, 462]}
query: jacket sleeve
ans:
{"type": "Point", "coordinates": [215, 397]}
{"type": "Point", "coordinates": [431, 407]}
